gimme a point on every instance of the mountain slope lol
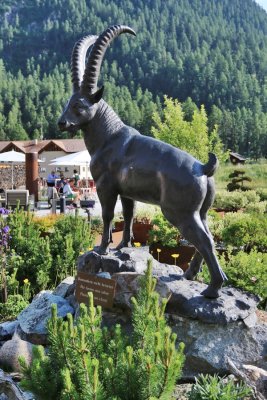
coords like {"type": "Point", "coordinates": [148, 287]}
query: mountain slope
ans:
{"type": "Point", "coordinates": [214, 51]}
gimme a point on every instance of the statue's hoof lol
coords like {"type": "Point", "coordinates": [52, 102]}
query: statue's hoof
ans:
{"type": "Point", "coordinates": [211, 292]}
{"type": "Point", "coordinates": [123, 244]}
{"type": "Point", "coordinates": [189, 275]}
{"type": "Point", "coordinates": [102, 251]}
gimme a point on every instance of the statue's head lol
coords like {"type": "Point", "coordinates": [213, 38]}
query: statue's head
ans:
{"type": "Point", "coordinates": [83, 104]}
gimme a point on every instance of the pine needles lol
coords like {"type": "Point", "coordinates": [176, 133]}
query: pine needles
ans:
{"type": "Point", "coordinates": [88, 362]}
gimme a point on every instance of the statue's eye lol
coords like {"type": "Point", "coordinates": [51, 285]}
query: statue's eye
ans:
{"type": "Point", "coordinates": [79, 108]}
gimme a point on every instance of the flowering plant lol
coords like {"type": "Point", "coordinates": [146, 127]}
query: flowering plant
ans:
{"type": "Point", "coordinates": [4, 247]}
{"type": "Point", "coordinates": [4, 211]}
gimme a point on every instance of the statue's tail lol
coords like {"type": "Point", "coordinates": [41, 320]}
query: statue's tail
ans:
{"type": "Point", "coordinates": [210, 167]}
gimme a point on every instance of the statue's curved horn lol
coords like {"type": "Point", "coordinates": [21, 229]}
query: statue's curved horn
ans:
{"type": "Point", "coordinates": [78, 60]}
{"type": "Point", "coordinates": [89, 83]}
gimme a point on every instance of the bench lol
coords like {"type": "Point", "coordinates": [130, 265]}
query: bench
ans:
{"type": "Point", "coordinates": [87, 203]}
{"type": "Point", "coordinates": [2, 201]}
{"type": "Point", "coordinates": [83, 203]}
{"type": "Point", "coordinates": [15, 196]}
{"type": "Point", "coordinates": [68, 202]}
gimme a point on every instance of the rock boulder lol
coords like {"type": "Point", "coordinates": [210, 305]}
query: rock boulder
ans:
{"type": "Point", "coordinates": [12, 349]}
{"type": "Point", "coordinates": [212, 329]}
{"type": "Point", "coordinates": [33, 319]}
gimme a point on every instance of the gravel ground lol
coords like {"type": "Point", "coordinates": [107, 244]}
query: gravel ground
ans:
{"type": "Point", "coordinates": [181, 391]}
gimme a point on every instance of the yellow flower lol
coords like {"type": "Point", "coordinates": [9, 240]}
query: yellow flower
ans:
{"type": "Point", "coordinates": [158, 250]}
{"type": "Point", "coordinates": [81, 252]}
{"type": "Point", "coordinates": [26, 281]}
{"type": "Point", "coordinates": [137, 244]}
{"type": "Point", "coordinates": [175, 255]}
{"type": "Point", "coordinates": [90, 248]}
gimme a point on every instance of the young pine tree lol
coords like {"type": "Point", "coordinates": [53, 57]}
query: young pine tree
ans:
{"type": "Point", "coordinates": [88, 362]}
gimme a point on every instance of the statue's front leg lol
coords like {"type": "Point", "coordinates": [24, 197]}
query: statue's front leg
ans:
{"type": "Point", "coordinates": [128, 206]}
{"type": "Point", "coordinates": [108, 203]}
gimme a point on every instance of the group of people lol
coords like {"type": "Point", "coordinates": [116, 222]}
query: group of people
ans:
{"type": "Point", "coordinates": [58, 185]}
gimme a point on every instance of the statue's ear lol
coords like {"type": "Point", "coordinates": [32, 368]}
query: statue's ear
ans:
{"type": "Point", "coordinates": [94, 98]}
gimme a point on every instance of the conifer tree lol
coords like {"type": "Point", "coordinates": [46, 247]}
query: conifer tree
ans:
{"type": "Point", "coordinates": [88, 362]}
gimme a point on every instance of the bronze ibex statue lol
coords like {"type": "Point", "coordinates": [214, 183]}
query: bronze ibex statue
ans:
{"type": "Point", "coordinates": [137, 167]}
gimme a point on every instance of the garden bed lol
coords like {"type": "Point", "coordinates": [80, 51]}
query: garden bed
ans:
{"type": "Point", "coordinates": [180, 255]}
{"type": "Point", "coordinates": [140, 231]}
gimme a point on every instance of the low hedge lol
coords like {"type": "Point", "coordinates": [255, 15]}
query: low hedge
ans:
{"type": "Point", "coordinates": [247, 271]}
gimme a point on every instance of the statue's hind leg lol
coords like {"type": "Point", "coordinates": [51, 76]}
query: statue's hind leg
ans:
{"type": "Point", "coordinates": [194, 266]}
{"type": "Point", "coordinates": [194, 231]}
{"type": "Point", "coordinates": [197, 261]}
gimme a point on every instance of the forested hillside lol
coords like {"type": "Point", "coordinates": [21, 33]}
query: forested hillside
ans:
{"type": "Point", "coordinates": [214, 51]}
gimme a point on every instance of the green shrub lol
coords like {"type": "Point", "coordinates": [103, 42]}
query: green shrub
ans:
{"type": "Point", "coordinates": [216, 225]}
{"type": "Point", "coordinates": [209, 387]}
{"type": "Point", "coordinates": [262, 193]}
{"type": "Point", "coordinates": [31, 252]}
{"type": "Point", "coordinates": [230, 200]}
{"type": "Point", "coordinates": [247, 231]}
{"type": "Point", "coordinates": [46, 261]}
{"type": "Point", "coordinates": [146, 213]}
{"type": "Point", "coordinates": [47, 222]}
{"type": "Point", "coordinates": [96, 226]}
{"type": "Point", "coordinates": [85, 361]}
{"type": "Point", "coordinates": [71, 237]}
{"type": "Point", "coordinates": [252, 196]}
{"type": "Point", "coordinates": [256, 208]}
{"type": "Point", "coordinates": [14, 305]}
{"type": "Point", "coordinates": [163, 232]}
{"type": "Point", "coordinates": [247, 271]}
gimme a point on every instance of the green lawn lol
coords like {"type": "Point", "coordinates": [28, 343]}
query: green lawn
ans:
{"type": "Point", "coordinates": [256, 171]}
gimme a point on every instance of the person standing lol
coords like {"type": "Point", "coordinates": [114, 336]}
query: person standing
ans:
{"type": "Point", "coordinates": [76, 177]}
{"type": "Point", "coordinates": [51, 189]}
{"type": "Point", "coordinates": [51, 179]}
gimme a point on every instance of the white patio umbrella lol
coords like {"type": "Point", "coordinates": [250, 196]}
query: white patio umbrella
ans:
{"type": "Point", "coordinates": [79, 158]}
{"type": "Point", "coordinates": [12, 157]}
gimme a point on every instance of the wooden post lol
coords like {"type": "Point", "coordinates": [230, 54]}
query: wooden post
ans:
{"type": "Point", "coordinates": [32, 175]}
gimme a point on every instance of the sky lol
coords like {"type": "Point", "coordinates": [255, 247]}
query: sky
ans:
{"type": "Point", "coordinates": [262, 3]}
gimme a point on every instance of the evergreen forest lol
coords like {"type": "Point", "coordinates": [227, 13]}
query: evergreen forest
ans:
{"type": "Point", "coordinates": [201, 52]}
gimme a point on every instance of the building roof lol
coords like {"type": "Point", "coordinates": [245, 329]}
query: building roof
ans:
{"type": "Point", "coordinates": [29, 146]}
{"type": "Point", "coordinates": [3, 144]}
{"type": "Point", "coordinates": [237, 156]}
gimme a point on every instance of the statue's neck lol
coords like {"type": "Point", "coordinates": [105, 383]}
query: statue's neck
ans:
{"type": "Point", "coordinates": [104, 124]}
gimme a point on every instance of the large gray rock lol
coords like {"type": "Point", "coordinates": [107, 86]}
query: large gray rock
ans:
{"type": "Point", "coordinates": [7, 329]}
{"type": "Point", "coordinates": [10, 390]}
{"type": "Point", "coordinates": [89, 262]}
{"type": "Point", "coordinates": [208, 346]}
{"type": "Point", "coordinates": [65, 287]}
{"type": "Point", "coordinates": [213, 330]}
{"type": "Point", "coordinates": [125, 260]}
{"type": "Point", "coordinates": [12, 349]}
{"type": "Point", "coordinates": [33, 319]}
{"type": "Point", "coordinates": [258, 377]}
{"type": "Point", "coordinates": [126, 266]}
{"type": "Point", "coordinates": [232, 305]}
{"type": "Point", "coordinates": [128, 284]}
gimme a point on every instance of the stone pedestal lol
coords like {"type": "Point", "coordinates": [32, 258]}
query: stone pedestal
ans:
{"type": "Point", "coordinates": [213, 330]}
